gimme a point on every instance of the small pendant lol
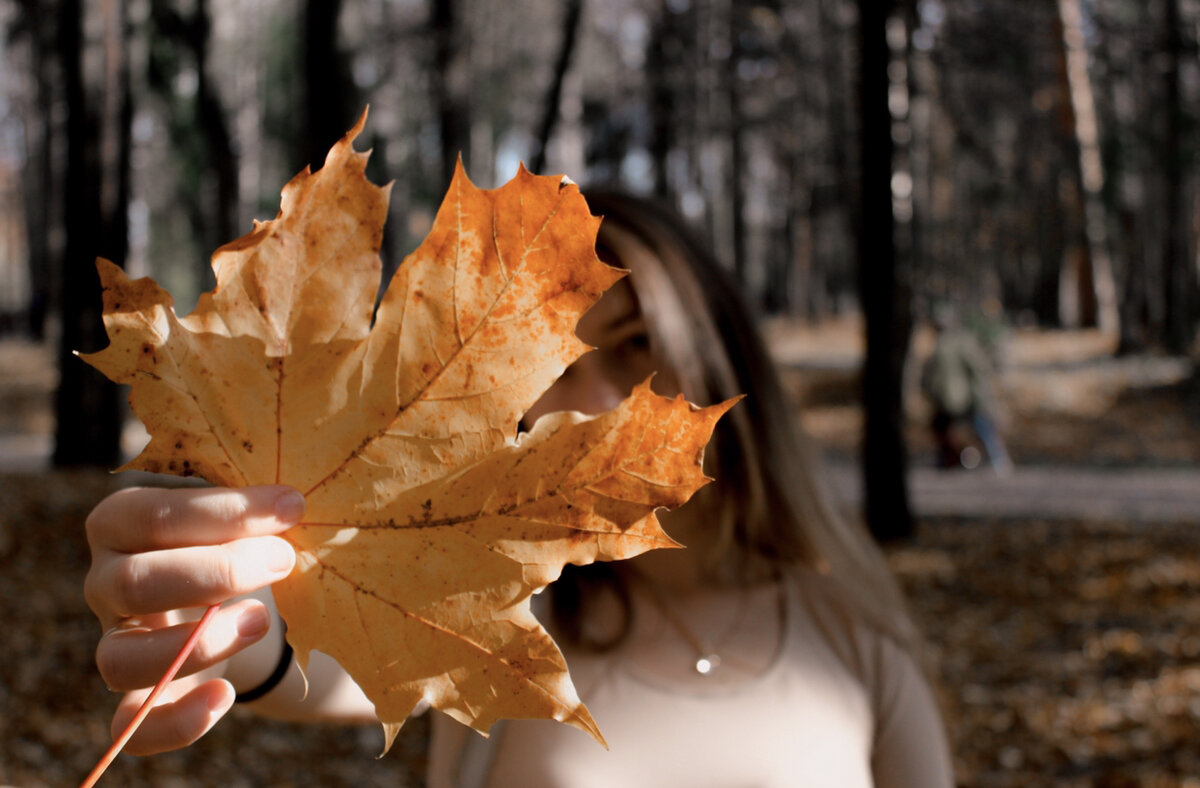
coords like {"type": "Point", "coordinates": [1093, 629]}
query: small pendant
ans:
{"type": "Point", "coordinates": [708, 663]}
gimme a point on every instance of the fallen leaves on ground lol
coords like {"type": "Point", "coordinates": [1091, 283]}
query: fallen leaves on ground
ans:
{"type": "Point", "coordinates": [1068, 653]}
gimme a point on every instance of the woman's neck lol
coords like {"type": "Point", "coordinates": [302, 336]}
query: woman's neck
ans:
{"type": "Point", "coordinates": [678, 570]}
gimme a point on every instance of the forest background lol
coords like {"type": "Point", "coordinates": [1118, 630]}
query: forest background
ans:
{"type": "Point", "coordinates": [856, 164]}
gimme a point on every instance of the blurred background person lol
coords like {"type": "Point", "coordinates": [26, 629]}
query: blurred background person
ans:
{"type": "Point", "coordinates": [957, 378]}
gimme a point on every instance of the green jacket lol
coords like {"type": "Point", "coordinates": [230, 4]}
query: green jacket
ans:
{"type": "Point", "coordinates": [956, 375]}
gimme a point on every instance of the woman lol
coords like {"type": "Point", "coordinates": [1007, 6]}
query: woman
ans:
{"type": "Point", "coordinates": [774, 651]}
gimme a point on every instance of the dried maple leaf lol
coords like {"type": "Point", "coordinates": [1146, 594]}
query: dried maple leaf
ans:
{"type": "Point", "coordinates": [429, 521]}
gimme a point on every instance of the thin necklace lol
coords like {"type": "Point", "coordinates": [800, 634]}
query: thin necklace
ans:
{"type": "Point", "coordinates": [707, 657]}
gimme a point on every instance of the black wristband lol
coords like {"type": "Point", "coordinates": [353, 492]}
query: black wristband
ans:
{"type": "Point", "coordinates": [272, 681]}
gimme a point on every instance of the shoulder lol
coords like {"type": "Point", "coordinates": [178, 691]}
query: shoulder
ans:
{"type": "Point", "coordinates": [832, 607]}
{"type": "Point", "coordinates": [909, 746]}
{"type": "Point", "coordinates": [871, 655]}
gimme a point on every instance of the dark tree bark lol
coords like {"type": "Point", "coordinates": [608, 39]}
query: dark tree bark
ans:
{"type": "Point", "coordinates": [883, 292]}
{"type": "Point", "coordinates": [785, 252]}
{"type": "Point", "coordinates": [449, 83]}
{"type": "Point", "coordinates": [96, 198]}
{"type": "Point", "coordinates": [673, 66]}
{"type": "Point", "coordinates": [1135, 317]}
{"type": "Point", "coordinates": [788, 261]}
{"type": "Point", "coordinates": [814, 282]}
{"type": "Point", "coordinates": [834, 204]}
{"type": "Point", "coordinates": [1049, 239]}
{"type": "Point", "coordinates": [37, 20]}
{"type": "Point", "coordinates": [572, 14]}
{"type": "Point", "coordinates": [737, 144]}
{"type": "Point", "coordinates": [218, 142]}
{"type": "Point", "coordinates": [661, 52]}
{"type": "Point", "coordinates": [217, 224]}
{"type": "Point", "coordinates": [1179, 277]}
{"type": "Point", "coordinates": [911, 236]}
{"type": "Point", "coordinates": [330, 99]}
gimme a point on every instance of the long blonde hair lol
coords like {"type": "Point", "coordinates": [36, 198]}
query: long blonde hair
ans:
{"type": "Point", "coordinates": [773, 507]}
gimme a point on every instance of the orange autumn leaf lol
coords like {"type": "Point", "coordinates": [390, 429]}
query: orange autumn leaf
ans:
{"type": "Point", "coordinates": [430, 521]}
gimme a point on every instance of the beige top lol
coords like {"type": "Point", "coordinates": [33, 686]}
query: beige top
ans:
{"type": "Point", "coordinates": [833, 704]}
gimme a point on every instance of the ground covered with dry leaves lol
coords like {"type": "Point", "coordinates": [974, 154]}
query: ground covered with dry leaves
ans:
{"type": "Point", "coordinates": [1067, 652]}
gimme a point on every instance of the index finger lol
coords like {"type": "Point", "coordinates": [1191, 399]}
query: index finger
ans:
{"type": "Point", "coordinates": [137, 519]}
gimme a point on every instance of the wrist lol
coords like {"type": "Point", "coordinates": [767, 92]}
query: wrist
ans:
{"type": "Point", "coordinates": [275, 677]}
{"type": "Point", "coordinates": [253, 667]}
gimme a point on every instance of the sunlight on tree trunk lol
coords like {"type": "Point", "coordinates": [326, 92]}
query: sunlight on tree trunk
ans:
{"type": "Point", "coordinates": [1093, 271]}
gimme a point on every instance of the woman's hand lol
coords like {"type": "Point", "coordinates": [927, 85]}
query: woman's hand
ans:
{"type": "Point", "coordinates": [156, 554]}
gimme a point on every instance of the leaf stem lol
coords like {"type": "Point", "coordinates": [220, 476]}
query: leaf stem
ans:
{"type": "Point", "coordinates": [148, 704]}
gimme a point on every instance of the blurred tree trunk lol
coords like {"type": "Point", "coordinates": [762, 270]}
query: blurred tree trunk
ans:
{"type": "Point", "coordinates": [330, 98]}
{"type": "Point", "coordinates": [1135, 316]}
{"type": "Point", "coordinates": [95, 210]}
{"type": "Point", "coordinates": [552, 103]}
{"type": "Point", "coordinates": [814, 282]}
{"type": "Point", "coordinates": [833, 204]}
{"type": "Point", "coordinates": [901, 90]}
{"type": "Point", "coordinates": [787, 254]}
{"type": "Point", "coordinates": [789, 269]}
{"type": "Point", "coordinates": [37, 20]}
{"type": "Point", "coordinates": [737, 144]}
{"type": "Point", "coordinates": [1120, 155]}
{"type": "Point", "coordinates": [218, 142]}
{"type": "Point", "coordinates": [1077, 305]}
{"type": "Point", "coordinates": [1049, 235]}
{"type": "Point", "coordinates": [662, 51]}
{"type": "Point", "coordinates": [1088, 257]}
{"type": "Point", "coordinates": [883, 291]}
{"type": "Point", "coordinates": [1179, 271]}
{"type": "Point", "coordinates": [213, 212]}
{"type": "Point", "coordinates": [675, 70]}
{"type": "Point", "coordinates": [449, 82]}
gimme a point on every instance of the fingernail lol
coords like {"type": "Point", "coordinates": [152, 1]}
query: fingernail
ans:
{"type": "Point", "coordinates": [289, 507]}
{"type": "Point", "coordinates": [218, 701]}
{"type": "Point", "coordinates": [279, 557]}
{"type": "Point", "coordinates": [253, 623]}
